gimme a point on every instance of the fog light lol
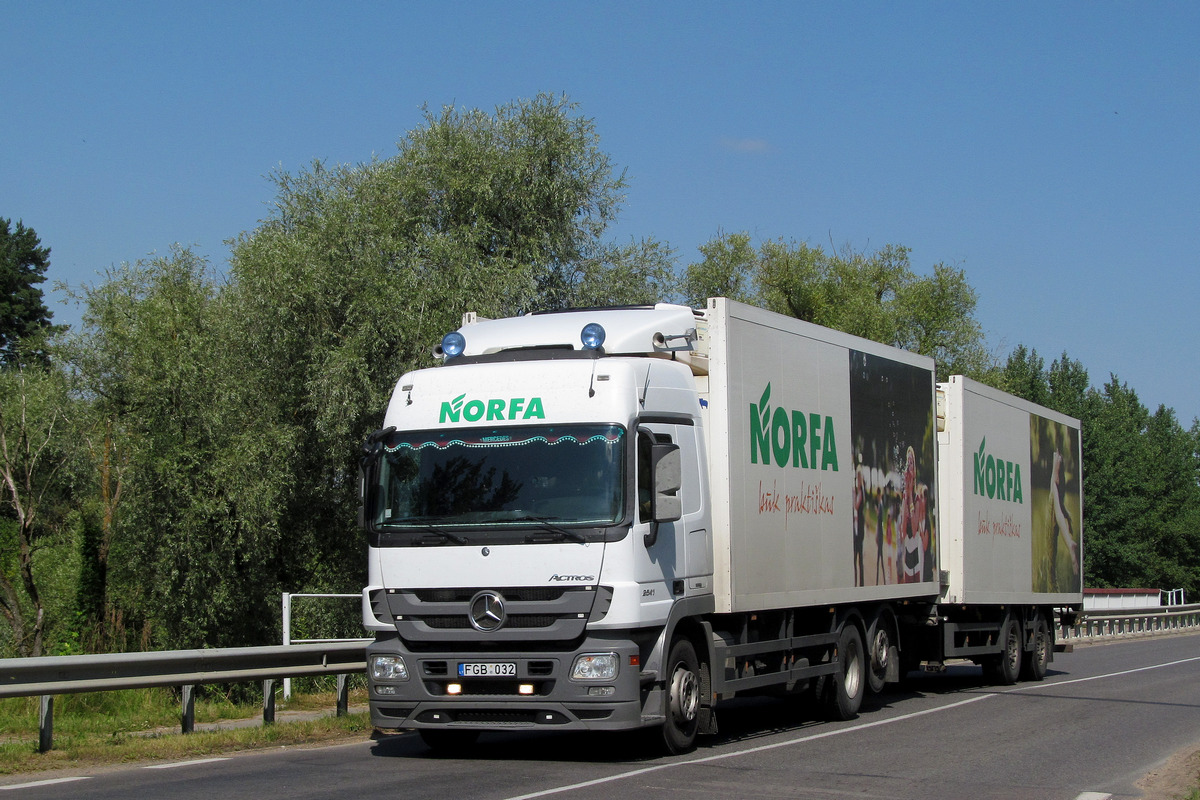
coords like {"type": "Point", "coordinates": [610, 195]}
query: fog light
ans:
{"type": "Point", "coordinates": [454, 688]}
{"type": "Point", "coordinates": [385, 689]}
{"type": "Point", "coordinates": [601, 691]}
{"type": "Point", "coordinates": [525, 688]}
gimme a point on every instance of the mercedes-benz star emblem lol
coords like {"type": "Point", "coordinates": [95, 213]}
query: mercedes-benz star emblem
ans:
{"type": "Point", "coordinates": [487, 612]}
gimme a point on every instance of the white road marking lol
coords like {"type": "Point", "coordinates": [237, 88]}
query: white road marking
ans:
{"type": "Point", "coordinates": [748, 751]}
{"type": "Point", "coordinates": [825, 734]}
{"type": "Point", "coordinates": [1033, 687]}
{"type": "Point", "coordinates": [43, 783]}
{"type": "Point", "coordinates": [174, 764]}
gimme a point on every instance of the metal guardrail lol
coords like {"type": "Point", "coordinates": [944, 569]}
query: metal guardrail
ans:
{"type": "Point", "coordinates": [54, 675]}
{"type": "Point", "coordinates": [287, 598]}
{"type": "Point", "coordinates": [1117, 623]}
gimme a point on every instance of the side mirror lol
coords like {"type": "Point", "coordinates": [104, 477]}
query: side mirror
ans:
{"type": "Point", "coordinates": [367, 464]}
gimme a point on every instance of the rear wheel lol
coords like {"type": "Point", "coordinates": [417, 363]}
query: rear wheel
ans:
{"type": "Point", "coordinates": [841, 694]}
{"type": "Point", "coordinates": [880, 644]}
{"type": "Point", "coordinates": [1005, 668]}
{"type": "Point", "coordinates": [683, 698]}
{"type": "Point", "coordinates": [1037, 660]}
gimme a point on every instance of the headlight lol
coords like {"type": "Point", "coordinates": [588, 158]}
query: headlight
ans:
{"type": "Point", "coordinates": [388, 668]}
{"type": "Point", "coordinates": [595, 667]}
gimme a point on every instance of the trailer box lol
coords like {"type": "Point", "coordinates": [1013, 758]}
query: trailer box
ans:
{"type": "Point", "coordinates": [1011, 499]}
{"type": "Point", "coordinates": [822, 464]}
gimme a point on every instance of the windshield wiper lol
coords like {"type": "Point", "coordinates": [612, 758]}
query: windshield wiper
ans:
{"type": "Point", "coordinates": [423, 524]}
{"type": "Point", "coordinates": [548, 526]}
{"type": "Point", "coordinates": [444, 536]}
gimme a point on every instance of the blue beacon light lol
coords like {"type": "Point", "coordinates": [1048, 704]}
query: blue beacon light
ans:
{"type": "Point", "coordinates": [453, 344]}
{"type": "Point", "coordinates": [592, 336]}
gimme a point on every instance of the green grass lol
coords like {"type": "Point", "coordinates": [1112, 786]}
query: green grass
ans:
{"type": "Point", "coordinates": [144, 725]}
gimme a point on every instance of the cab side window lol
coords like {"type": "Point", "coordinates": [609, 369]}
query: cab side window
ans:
{"type": "Point", "coordinates": [645, 477]}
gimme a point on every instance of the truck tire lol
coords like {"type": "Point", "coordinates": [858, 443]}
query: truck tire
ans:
{"type": "Point", "coordinates": [1005, 668]}
{"type": "Point", "coordinates": [841, 694]}
{"type": "Point", "coordinates": [448, 742]}
{"type": "Point", "coordinates": [1037, 660]}
{"type": "Point", "coordinates": [683, 698]}
{"type": "Point", "coordinates": [880, 643]}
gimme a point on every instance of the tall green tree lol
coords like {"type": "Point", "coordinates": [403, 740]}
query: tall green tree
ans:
{"type": "Point", "coordinates": [1024, 374]}
{"type": "Point", "coordinates": [729, 269]}
{"type": "Point", "coordinates": [227, 414]}
{"type": "Point", "coordinates": [187, 535]}
{"type": "Point", "coordinates": [36, 447]}
{"type": "Point", "coordinates": [24, 316]}
{"type": "Point", "coordinates": [283, 370]}
{"type": "Point", "coordinates": [875, 294]}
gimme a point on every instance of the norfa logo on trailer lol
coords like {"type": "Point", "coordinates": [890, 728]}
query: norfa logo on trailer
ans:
{"type": "Point", "coordinates": [996, 478]}
{"type": "Point", "coordinates": [803, 440]}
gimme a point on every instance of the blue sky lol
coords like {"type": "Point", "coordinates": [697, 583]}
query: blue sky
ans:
{"type": "Point", "coordinates": [1052, 150]}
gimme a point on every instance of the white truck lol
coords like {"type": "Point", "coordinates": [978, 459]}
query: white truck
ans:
{"type": "Point", "coordinates": [617, 518]}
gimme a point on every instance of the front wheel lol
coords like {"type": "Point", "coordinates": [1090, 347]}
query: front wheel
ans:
{"type": "Point", "coordinates": [683, 698]}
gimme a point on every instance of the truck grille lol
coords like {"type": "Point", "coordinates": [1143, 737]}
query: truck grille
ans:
{"type": "Point", "coordinates": [531, 614]}
{"type": "Point", "coordinates": [514, 621]}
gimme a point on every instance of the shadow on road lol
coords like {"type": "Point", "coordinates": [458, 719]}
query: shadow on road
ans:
{"type": "Point", "coordinates": [743, 719]}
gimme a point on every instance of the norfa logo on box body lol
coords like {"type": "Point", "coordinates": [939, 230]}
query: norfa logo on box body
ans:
{"type": "Point", "coordinates": [996, 478]}
{"type": "Point", "coordinates": [791, 437]}
{"type": "Point", "coordinates": [496, 408]}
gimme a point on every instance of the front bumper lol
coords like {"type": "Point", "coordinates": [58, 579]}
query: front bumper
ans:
{"type": "Point", "coordinates": [552, 698]}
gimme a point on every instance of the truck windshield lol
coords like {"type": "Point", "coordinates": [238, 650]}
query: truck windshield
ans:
{"type": "Point", "coordinates": [501, 477]}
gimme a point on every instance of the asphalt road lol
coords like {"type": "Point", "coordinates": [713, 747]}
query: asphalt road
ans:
{"type": "Point", "coordinates": [1104, 717]}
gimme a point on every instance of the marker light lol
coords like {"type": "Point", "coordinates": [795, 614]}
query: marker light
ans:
{"type": "Point", "coordinates": [453, 344]}
{"type": "Point", "coordinates": [592, 336]}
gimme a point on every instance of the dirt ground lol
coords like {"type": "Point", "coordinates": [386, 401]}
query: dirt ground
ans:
{"type": "Point", "coordinates": [1175, 778]}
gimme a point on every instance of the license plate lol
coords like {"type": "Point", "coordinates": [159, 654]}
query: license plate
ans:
{"type": "Point", "coordinates": [487, 669]}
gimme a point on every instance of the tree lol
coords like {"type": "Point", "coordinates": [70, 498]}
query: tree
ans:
{"type": "Point", "coordinates": [23, 314]}
{"type": "Point", "coordinates": [227, 415]}
{"type": "Point", "coordinates": [359, 270]}
{"type": "Point", "coordinates": [936, 317]}
{"type": "Point", "coordinates": [1024, 374]}
{"type": "Point", "coordinates": [191, 545]}
{"type": "Point", "coordinates": [728, 269]}
{"type": "Point", "coordinates": [875, 295]}
{"type": "Point", "coordinates": [1064, 387]}
{"type": "Point", "coordinates": [641, 273]}
{"type": "Point", "coordinates": [35, 444]}
{"type": "Point", "coordinates": [1141, 497]}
